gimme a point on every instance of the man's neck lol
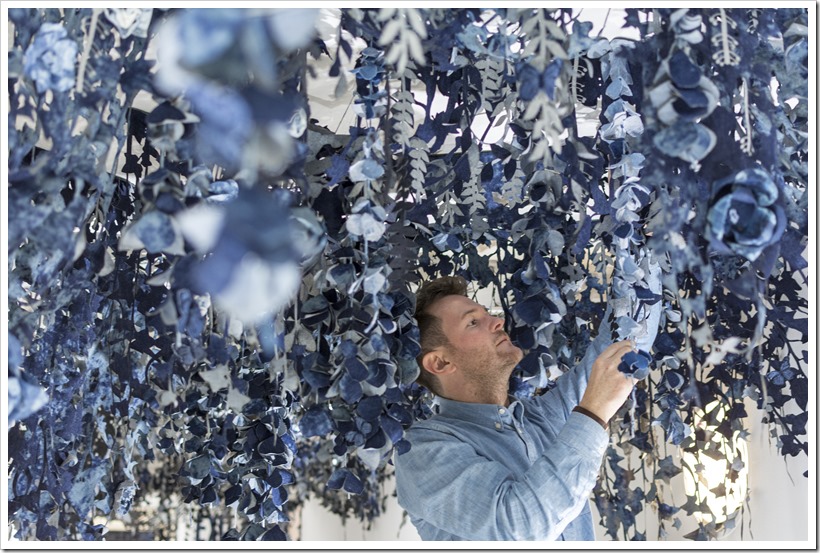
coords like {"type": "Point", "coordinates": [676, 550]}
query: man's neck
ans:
{"type": "Point", "coordinates": [469, 394]}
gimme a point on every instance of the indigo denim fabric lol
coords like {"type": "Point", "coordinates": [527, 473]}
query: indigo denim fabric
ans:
{"type": "Point", "coordinates": [524, 472]}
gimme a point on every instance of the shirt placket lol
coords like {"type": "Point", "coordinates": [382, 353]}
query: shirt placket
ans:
{"type": "Point", "coordinates": [515, 420]}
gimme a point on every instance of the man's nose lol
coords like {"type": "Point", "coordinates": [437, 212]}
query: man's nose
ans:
{"type": "Point", "coordinates": [497, 323]}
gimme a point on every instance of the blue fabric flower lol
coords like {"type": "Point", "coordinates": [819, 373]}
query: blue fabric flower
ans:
{"type": "Point", "coordinates": [686, 26]}
{"type": "Point", "coordinates": [25, 397]}
{"type": "Point", "coordinates": [676, 430]}
{"type": "Point", "coordinates": [745, 216]}
{"type": "Point", "coordinates": [794, 80]}
{"type": "Point", "coordinates": [635, 364]}
{"type": "Point", "coordinates": [49, 60]}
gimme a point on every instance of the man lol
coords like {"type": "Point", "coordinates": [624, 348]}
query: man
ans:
{"type": "Point", "coordinates": [489, 467]}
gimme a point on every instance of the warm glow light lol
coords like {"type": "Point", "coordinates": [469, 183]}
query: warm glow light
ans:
{"type": "Point", "coordinates": [717, 474]}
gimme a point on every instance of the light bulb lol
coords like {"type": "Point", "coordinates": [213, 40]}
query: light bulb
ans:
{"type": "Point", "coordinates": [708, 472]}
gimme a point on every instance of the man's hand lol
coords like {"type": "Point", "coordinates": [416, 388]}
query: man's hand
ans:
{"type": "Point", "coordinates": [608, 387]}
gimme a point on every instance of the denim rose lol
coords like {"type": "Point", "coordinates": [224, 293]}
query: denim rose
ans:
{"type": "Point", "coordinates": [745, 216]}
{"type": "Point", "coordinates": [49, 60]}
{"type": "Point", "coordinates": [686, 140]}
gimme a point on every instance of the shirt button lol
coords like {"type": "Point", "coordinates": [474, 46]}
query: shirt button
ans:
{"type": "Point", "coordinates": [498, 426]}
{"type": "Point", "coordinates": [501, 411]}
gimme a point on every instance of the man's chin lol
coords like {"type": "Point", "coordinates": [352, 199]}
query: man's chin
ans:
{"type": "Point", "coordinates": [515, 358]}
{"type": "Point", "coordinates": [519, 354]}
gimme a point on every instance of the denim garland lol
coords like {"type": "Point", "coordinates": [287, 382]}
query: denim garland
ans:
{"type": "Point", "coordinates": [232, 301]}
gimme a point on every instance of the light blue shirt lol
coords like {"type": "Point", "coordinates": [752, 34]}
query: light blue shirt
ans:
{"type": "Point", "coordinates": [485, 472]}
{"type": "Point", "coordinates": [524, 472]}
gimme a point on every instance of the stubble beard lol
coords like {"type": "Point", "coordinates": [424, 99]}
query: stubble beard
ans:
{"type": "Point", "coordinates": [490, 370]}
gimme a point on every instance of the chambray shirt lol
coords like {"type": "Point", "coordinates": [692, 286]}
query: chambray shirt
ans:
{"type": "Point", "coordinates": [523, 472]}
{"type": "Point", "coordinates": [487, 472]}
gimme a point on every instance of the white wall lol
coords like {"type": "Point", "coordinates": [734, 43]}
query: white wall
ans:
{"type": "Point", "coordinates": [319, 524]}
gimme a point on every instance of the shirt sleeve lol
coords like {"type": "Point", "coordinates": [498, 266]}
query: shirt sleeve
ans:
{"type": "Point", "coordinates": [445, 482]}
{"type": "Point", "coordinates": [569, 387]}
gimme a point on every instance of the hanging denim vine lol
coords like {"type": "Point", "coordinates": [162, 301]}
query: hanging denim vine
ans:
{"type": "Point", "coordinates": [232, 300]}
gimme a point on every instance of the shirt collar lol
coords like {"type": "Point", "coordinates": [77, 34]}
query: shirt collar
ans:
{"type": "Point", "coordinates": [481, 413]}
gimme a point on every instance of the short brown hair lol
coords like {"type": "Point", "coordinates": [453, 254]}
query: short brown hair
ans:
{"type": "Point", "coordinates": [431, 335]}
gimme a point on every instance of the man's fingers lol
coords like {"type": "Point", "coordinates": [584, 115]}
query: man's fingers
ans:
{"type": "Point", "coordinates": [617, 350]}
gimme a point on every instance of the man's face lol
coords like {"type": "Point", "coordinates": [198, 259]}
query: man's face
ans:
{"type": "Point", "coordinates": [478, 344]}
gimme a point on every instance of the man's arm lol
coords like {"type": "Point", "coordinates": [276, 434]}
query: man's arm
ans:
{"type": "Point", "coordinates": [448, 484]}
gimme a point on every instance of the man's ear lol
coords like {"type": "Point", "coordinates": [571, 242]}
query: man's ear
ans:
{"type": "Point", "coordinates": [436, 364]}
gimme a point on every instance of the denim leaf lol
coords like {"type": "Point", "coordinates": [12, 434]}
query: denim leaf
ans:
{"type": "Point", "coordinates": [688, 141]}
{"type": "Point", "coordinates": [366, 226]}
{"type": "Point", "coordinates": [156, 232]}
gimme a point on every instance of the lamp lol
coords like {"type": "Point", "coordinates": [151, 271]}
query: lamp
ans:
{"type": "Point", "coordinates": [717, 469]}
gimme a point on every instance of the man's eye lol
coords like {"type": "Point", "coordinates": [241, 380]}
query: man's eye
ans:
{"type": "Point", "coordinates": [472, 322]}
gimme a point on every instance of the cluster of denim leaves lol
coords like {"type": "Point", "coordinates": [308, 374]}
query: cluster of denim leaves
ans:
{"type": "Point", "coordinates": [239, 305]}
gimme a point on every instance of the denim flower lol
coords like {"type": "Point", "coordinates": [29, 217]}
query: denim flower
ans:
{"type": "Point", "coordinates": [676, 430]}
{"type": "Point", "coordinates": [366, 170]}
{"type": "Point", "coordinates": [370, 72]}
{"type": "Point", "coordinates": [635, 364]}
{"type": "Point", "coordinates": [473, 37]}
{"type": "Point", "coordinates": [745, 216]}
{"type": "Point", "coordinates": [252, 270]}
{"type": "Point", "coordinates": [366, 226]}
{"type": "Point", "coordinates": [623, 121]}
{"type": "Point", "coordinates": [292, 28]}
{"type": "Point", "coordinates": [206, 34]}
{"type": "Point", "coordinates": [370, 68]}
{"type": "Point", "coordinates": [629, 200]}
{"type": "Point", "coordinates": [681, 92]}
{"type": "Point", "coordinates": [794, 79]}
{"type": "Point", "coordinates": [49, 60]}
{"type": "Point", "coordinates": [224, 45]}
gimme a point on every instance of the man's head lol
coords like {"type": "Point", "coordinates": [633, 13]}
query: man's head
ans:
{"type": "Point", "coordinates": [461, 344]}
